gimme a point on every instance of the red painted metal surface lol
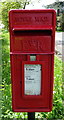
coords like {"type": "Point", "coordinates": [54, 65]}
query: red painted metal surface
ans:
{"type": "Point", "coordinates": [32, 32]}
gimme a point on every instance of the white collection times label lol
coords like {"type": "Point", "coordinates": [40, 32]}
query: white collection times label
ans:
{"type": "Point", "coordinates": [32, 79]}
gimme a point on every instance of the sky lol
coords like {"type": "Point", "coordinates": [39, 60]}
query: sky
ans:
{"type": "Point", "coordinates": [41, 4]}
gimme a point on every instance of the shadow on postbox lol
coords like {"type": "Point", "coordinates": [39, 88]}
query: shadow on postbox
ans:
{"type": "Point", "coordinates": [32, 43]}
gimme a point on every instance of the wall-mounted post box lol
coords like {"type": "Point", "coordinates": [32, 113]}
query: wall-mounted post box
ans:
{"type": "Point", "coordinates": [32, 39]}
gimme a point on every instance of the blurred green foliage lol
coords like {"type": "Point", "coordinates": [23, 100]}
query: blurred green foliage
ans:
{"type": "Point", "coordinates": [60, 22]}
{"type": "Point", "coordinates": [5, 58]}
{"type": "Point", "coordinates": [58, 108]}
{"type": "Point", "coordinates": [8, 5]}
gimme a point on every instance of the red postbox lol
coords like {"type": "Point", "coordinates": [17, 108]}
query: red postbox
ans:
{"type": "Point", "coordinates": [32, 43]}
